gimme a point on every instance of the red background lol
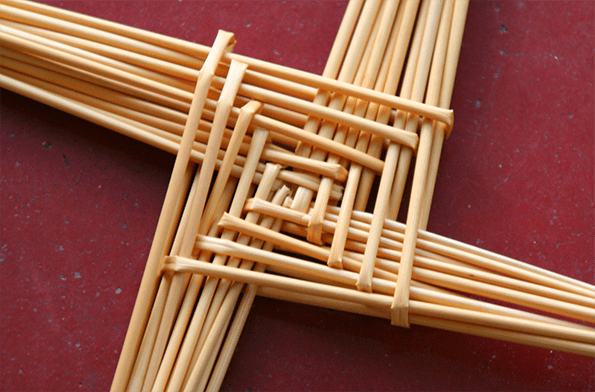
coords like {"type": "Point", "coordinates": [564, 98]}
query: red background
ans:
{"type": "Point", "coordinates": [79, 206]}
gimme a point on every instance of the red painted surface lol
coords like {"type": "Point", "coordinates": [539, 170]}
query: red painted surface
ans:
{"type": "Point", "coordinates": [79, 206]}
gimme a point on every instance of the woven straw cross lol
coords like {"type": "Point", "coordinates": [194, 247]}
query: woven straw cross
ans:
{"type": "Point", "coordinates": [274, 170]}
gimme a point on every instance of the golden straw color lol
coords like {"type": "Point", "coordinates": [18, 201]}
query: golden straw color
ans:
{"type": "Point", "coordinates": [273, 175]}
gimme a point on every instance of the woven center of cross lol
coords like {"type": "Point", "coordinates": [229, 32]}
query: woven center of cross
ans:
{"type": "Point", "coordinates": [274, 171]}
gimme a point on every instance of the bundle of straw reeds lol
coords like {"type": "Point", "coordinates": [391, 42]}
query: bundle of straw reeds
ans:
{"type": "Point", "coordinates": [286, 162]}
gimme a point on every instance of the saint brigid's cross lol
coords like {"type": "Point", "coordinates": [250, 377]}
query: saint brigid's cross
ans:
{"type": "Point", "coordinates": [276, 167]}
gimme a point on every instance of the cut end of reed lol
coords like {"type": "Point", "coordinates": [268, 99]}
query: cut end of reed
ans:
{"type": "Point", "coordinates": [448, 126]}
{"type": "Point", "coordinates": [335, 261]}
{"type": "Point", "coordinates": [399, 318]}
{"type": "Point", "coordinates": [315, 232]}
{"type": "Point", "coordinates": [363, 284]}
